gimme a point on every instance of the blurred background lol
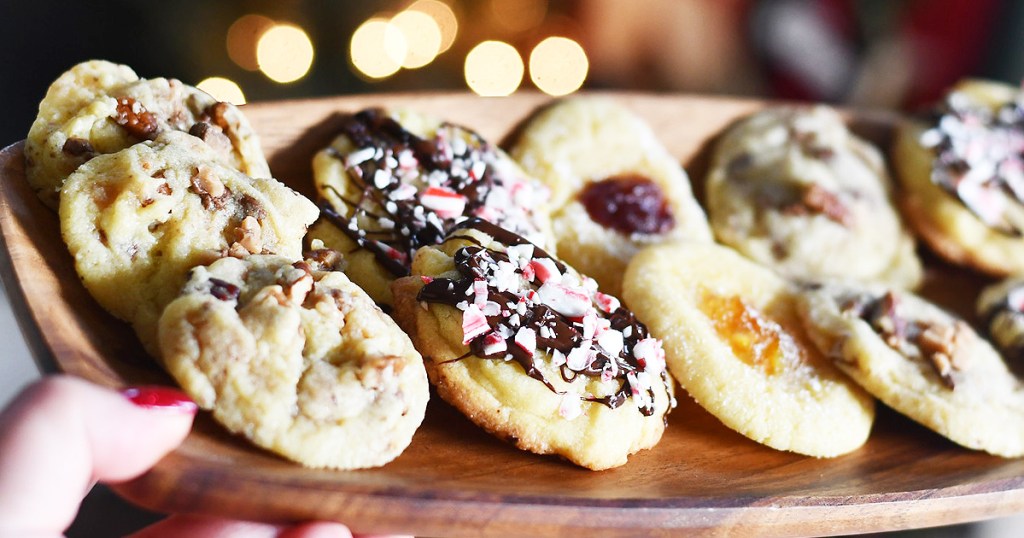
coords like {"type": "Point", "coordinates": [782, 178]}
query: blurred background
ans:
{"type": "Point", "coordinates": [897, 54]}
{"type": "Point", "coordinates": [880, 53]}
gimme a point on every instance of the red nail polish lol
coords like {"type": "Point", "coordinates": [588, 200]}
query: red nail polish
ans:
{"type": "Point", "coordinates": [157, 397]}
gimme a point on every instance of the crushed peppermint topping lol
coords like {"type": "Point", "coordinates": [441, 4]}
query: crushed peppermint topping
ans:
{"type": "Point", "coordinates": [564, 319]}
{"type": "Point", "coordinates": [980, 158]}
{"type": "Point", "coordinates": [414, 190]}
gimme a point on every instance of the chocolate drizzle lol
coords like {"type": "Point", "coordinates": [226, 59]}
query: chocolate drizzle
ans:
{"type": "Point", "coordinates": [556, 333]}
{"type": "Point", "coordinates": [413, 190]}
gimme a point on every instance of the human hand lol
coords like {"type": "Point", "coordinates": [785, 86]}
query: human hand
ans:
{"type": "Point", "coordinates": [62, 435]}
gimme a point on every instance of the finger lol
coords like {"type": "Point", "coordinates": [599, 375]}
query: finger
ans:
{"type": "Point", "coordinates": [183, 526]}
{"type": "Point", "coordinates": [62, 434]}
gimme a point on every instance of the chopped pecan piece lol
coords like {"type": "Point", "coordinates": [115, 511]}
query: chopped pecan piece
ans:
{"type": "Point", "coordinates": [211, 134]}
{"type": "Point", "coordinates": [135, 119]}
{"type": "Point", "coordinates": [210, 189]}
{"type": "Point", "coordinates": [817, 200]}
{"type": "Point", "coordinates": [327, 259]}
{"type": "Point", "coordinates": [298, 282]}
{"type": "Point", "coordinates": [216, 113]}
{"type": "Point", "coordinates": [943, 346]}
{"type": "Point", "coordinates": [250, 235]}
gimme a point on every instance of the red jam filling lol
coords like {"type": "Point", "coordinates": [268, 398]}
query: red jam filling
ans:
{"type": "Point", "coordinates": [628, 204]}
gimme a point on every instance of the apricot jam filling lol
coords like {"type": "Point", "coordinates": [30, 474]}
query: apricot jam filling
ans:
{"type": "Point", "coordinates": [753, 337]}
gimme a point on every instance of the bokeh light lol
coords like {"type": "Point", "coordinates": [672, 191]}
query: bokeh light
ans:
{"type": "Point", "coordinates": [558, 66]}
{"type": "Point", "coordinates": [518, 15]}
{"type": "Point", "coordinates": [444, 17]}
{"type": "Point", "coordinates": [422, 36]}
{"type": "Point", "coordinates": [223, 89]}
{"type": "Point", "coordinates": [242, 36]}
{"type": "Point", "coordinates": [378, 48]}
{"type": "Point", "coordinates": [284, 53]}
{"type": "Point", "coordinates": [493, 69]}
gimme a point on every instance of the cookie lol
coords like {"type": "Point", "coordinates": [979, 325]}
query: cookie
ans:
{"type": "Point", "coordinates": [614, 187]}
{"type": "Point", "coordinates": [921, 361]}
{"type": "Point", "coordinates": [99, 107]}
{"type": "Point", "coordinates": [963, 177]}
{"type": "Point", "coordinates": [297, 359]}
{"type": "Point", "coordinates": [734, 341]}
{"type": "Point", "coordinates": [137, 220]}
{"type": "Point", "coordinates": [793, 189]}
{"type": "Point", "coordinates": [1001, 311]}
{"type": "Point", "coordinates": [395, 181]}
{"type": "Point", "coordinates": [530, 351]}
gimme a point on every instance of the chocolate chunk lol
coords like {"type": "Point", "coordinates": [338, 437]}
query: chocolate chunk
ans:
{"type": "Point", "coordinates": [78, 147]}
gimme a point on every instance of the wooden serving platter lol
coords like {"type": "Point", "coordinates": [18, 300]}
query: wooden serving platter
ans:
{"type": "Point", "coordinates": [455, 480]}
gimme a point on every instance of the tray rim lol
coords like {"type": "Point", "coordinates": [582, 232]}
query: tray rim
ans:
{"type": "Point", "coordinates": [929, 507]}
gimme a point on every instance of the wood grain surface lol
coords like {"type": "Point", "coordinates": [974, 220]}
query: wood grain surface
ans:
{"type": "Point", "coordinates": [457, 481]}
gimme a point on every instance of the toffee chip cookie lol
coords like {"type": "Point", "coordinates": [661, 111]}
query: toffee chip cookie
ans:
{"type": "Point", "coordinates": [138, 220]}
{"type": "Point", "coordinates": [396, 181]}
{"type": "Point", "coordinates": [963, 177]}
{"type": "Point", "coordinates": [921, 361]}
{"type": "Point", "coordinates": [614, 187]}
{"type": "Point", "coordinates": [734, 341]}
{"type": "Point", "coordinates": [297, 359]}
{"type": "Point", "coordinates": [98, 107]}
{"type": "Point", "coordinates": [793, 189]}
{"type": "Point", "coordinates": [1001, 311]}
{"type": "Point", "coordinates": [530, 351]}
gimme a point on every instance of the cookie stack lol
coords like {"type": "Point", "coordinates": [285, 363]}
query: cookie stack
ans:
{"type": "Point", "coordinates": [167, 205]}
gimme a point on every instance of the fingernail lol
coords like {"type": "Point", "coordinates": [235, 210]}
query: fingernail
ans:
{"type": "Point", "coordinates": [157, 397]}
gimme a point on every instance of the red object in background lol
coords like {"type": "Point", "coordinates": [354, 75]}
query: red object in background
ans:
{"type": "Point", "coordinates": [950, 38]}
{"type": "Point", "coordinates": [817, 50]}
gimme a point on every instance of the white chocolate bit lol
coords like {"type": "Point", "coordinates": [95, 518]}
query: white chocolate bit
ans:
{"type": "Point", "coordinates": [607, 303]}
{"type": "Point", "coordinates": [474, 324]}
{"type": "Point", "coordinates": [649, 351]}
{"type": "Point", "coordinates": [445, 202]}
{"type": "Point", "coordinates": [570, 302]}
{"type": "Point", "coordinates": [546, 270]}
{"type": "Point", "coordinates": [579, 357]}
{"type": "Point", "coordinates": [527, 340]}
{"type": "Point", "coordinates": [520, 255]}
{"type": "Point", "coordinates": [611, 342]}
{"type": "Point", "coordinates": [570, 406]}
{"type": "Point", "coordinates": [479, 291]}
{"type": "Point", "coordinates": [381, 178]}
{"type": "Point", "coordinates": [360, 156]}
{"type": "Point", "coordinates": [494, 343]}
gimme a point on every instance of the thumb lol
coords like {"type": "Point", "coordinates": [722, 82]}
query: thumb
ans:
{"type": "Point", "coordinates": [62, 434]}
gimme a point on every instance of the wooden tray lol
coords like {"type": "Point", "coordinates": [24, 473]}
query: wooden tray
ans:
{"type": "Point", "coordinates": [456, 481]}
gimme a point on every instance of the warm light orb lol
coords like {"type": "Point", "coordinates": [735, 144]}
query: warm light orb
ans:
{"type": "Point", "coordinates": [444, 17]}
{"type": "Point", "coordinates": [284, 53]}
{"type": "Point", "coordinates": [223, 89]}
{"type": "Point", "coordinates": [493, 69]}
{"type": "Point", "coordinates": [519, 15]}
{"type": "Point", "coordinates": [558, 66]}
{"type": "Point", "coordinates": [242, 37]}
{"type": "Point", "coordinates": [378, 48]}
{"type": "Point", "coordinates": [422, 36]}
